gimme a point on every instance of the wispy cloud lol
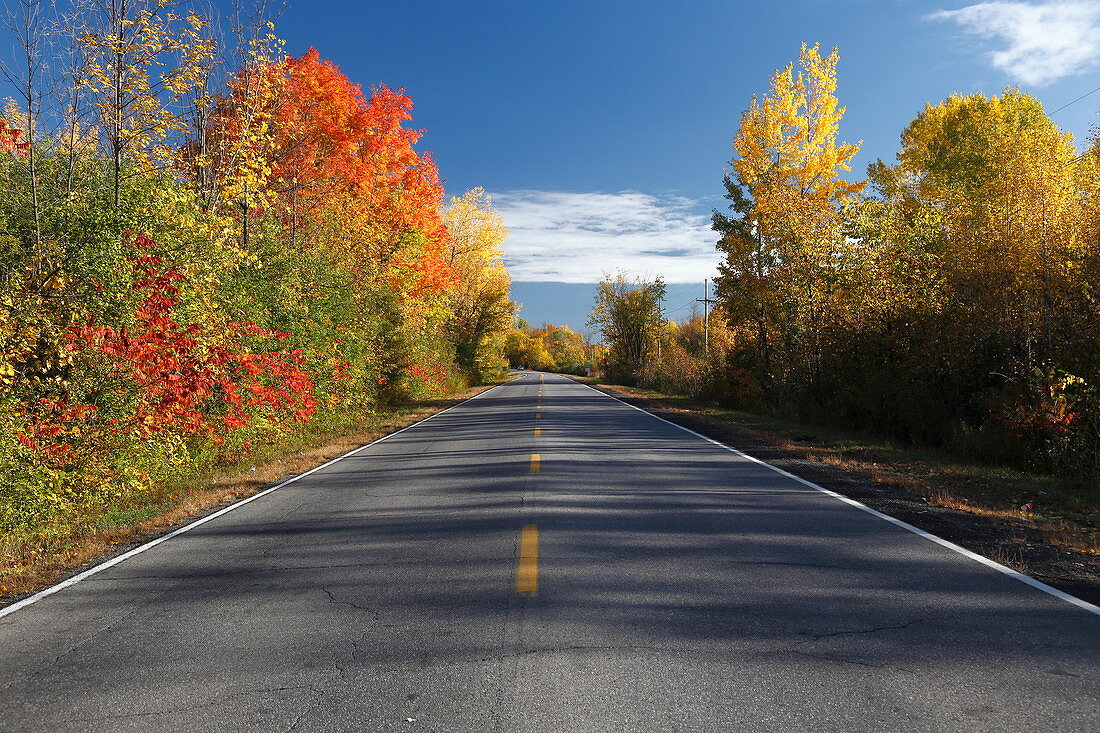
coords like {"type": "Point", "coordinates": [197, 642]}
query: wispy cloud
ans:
{"type": "Point", "coordinates": [1043, 42]}
{"type": "Point", "coordinates": [576, 237]}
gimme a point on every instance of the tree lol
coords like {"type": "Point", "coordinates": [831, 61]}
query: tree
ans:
{"type": "Point", "coordinates": [338, 171]}
{"type": "Point", "coordinates": [480, 307]}
{"type": "Point", "coordinates": [1001, 175]}
{"type": "Point", "coordinates": [568, 349]}
{"type": "Point", "coordinates": [788, 158]}
{"type": "Point", "coordinates": [28, 26]}
{"type": "Point", "coordinates": [786, 250]}
{"type": "Point", "coordinates": [525, 351]}
{"type": "Point", "coordinates": [136, 88]}
{"type": "Point", "coordinates": [228, 151]}
{"type": "Point", "coordinates": [745, 275]}
{"type": "Point", "coordinates": [628, 315]}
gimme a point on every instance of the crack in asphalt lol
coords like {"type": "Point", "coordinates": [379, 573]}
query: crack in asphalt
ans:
{"type": "Point", "coordinates": [341, 668]}
{"type": "Point", "coordinates": [102, 630]}
{"type": "Point", "coordinates": [333, 599]}
{"type": "Point", "coordinates": [299, 719]}
{"type": "Point", "coordinates": [814, 638]}
{"type": "Point", "coordinates": [856, 662]}
{"type": "Point", "coordinates": [859, 632]}
{"type": "Point", "coordinates": [307, 709]}
{"type": "Point", "coordinates": [316, 691]}
{"type": "Point", "coordinates": [353, 643]}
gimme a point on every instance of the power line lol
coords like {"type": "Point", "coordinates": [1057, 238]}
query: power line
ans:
{"type": "Point", "coordinates": [1094, 91]}
{"type": "Point", "coordinates": [681, 292]}
{"type": "Point", "coordinates": [685, 305]}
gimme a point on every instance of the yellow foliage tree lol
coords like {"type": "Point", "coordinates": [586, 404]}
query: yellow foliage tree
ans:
{"type": "Point", "coordinates": [789, 159]}
{"type": "Point", "coordinates": [229, 156]}
{"type": "Point", "coordinates": [135, 87]}
{"type": "Point", "coordinates": [1004, 182]}
{"type": "Point", "coordinates": [480, 307]}
{"type": "Point", "coordinates": [786, 253]}
{"type": "Point", "coordinates": [527, 352]}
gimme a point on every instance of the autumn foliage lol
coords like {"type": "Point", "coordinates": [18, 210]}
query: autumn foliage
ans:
{"type": "Point", "coordinates": [333, 152]}
{"type": "Point", "coordinates": [193, 273]}
{"type": "Point", "coordinates": [948, 299]}
{"type": "Point", "coordinates": [551, 348]}
{"type": "Point", "coordinates": [11, 139]}
{"type": "Point", "coordinates": [194, 378]}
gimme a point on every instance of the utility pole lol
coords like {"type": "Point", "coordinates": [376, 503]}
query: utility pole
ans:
{"type": "Point", "coordinates": [661, 327]}
{"type": "Point", "coordinates": [706, 301]}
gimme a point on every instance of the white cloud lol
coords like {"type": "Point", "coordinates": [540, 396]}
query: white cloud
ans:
{"type": "Point", "coordinates": [577, 237]}
{"type": "Point", "coordinates": [1045, 41]}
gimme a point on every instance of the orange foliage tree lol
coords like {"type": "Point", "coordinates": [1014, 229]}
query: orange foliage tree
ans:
{"type": "Point", "coordinates": [346, 176]}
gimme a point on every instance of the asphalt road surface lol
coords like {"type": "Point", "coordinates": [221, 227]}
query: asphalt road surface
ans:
{"type": "Point", "coordinates": [546, 558]}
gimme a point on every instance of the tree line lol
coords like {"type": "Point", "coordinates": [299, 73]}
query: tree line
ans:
{"type": "Point", "coordinates": [550, 348]}
{"type": "Point", "coordinates": [206, 242]}
{"type": "Point", "coordinates": [950, 298]}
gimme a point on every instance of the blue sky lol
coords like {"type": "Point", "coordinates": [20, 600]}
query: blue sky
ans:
{"type": "Point", "coordinates": [603, 127]}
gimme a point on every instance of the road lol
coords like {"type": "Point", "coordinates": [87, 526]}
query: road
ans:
{"type": "Point", "coordinates": [677, 586]}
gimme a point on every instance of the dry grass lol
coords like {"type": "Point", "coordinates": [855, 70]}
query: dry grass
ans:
{"type": "Point", "coordinates": [30, 564]}
{"type": "Point", "coordinates": [1059, 533]}
{"type": "Point", "coordinates": [1009, 557]}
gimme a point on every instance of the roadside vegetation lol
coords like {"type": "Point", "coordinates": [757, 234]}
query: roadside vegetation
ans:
{"type": "Point", "coordinates": [212, 252]}
{"type": "Point", "coordinates": [946, 306]}
{"type": "Point", "coordinates": [550, 348]}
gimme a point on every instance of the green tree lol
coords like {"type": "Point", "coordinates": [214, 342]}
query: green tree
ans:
{"type": "Point", "coordinates": [627, 313]}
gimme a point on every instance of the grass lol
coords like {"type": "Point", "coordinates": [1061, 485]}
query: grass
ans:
{"type": "Point", "coordinates": [1066, 513]}
{"type": "Point", "coordinates": [29, 562]}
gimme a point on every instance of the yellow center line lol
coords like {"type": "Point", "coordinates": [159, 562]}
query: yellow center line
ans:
{"type": "Point", "coordinates": [538, 432]}
{"type": "Point", "coordinates": [535, 458]}
{"type": "Point", "coordinates": [527, 574]}
{"type": "Point", "coordinates": [538, 415]}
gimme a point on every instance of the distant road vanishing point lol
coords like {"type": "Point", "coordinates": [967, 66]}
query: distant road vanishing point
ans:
{"type": "Point", "coordinates": [546, 558]}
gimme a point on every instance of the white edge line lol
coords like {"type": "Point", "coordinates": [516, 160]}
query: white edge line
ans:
{"type": "Point", "coordinates": [1026, 579]}
{"type": "Point", "coordinates": [8, 610]}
